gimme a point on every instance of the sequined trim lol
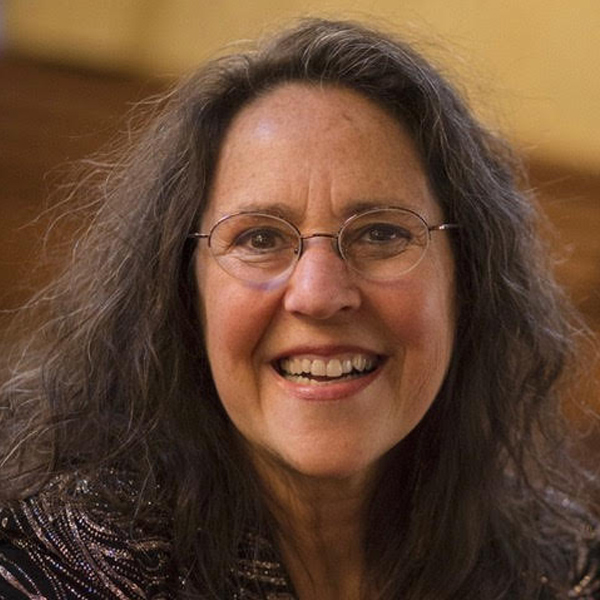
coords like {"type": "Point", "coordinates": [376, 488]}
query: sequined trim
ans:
{"type": "Point", "coordinates": [587, 570]}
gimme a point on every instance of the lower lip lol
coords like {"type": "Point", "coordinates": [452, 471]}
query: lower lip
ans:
{"type": "Point", "coordinates": [327, 392]}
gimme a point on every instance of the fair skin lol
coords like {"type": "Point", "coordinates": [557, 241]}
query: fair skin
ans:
{"type": "Point", "coordinates": [316, 156]}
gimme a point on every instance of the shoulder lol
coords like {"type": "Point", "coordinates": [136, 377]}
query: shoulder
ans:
{"type": "Point", "coordinates": [581, 551]}
{"type": "Point", "coordinates": [59, 546]}
{"type": "Point", "coordinates": [585, 577]}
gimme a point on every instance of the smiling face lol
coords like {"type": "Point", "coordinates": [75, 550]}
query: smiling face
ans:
{"type": "Point", "coordinates": [373, 354]}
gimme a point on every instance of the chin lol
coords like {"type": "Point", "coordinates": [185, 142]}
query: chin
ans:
{"type": "Point", "coordinates": [329, 466]}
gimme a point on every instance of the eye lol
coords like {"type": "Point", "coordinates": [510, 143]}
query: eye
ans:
{"type": "Point", "coordinates": [384, 233]}
{"type": "Point", "coordinates": [261, 239]}
{"type": "Point", "coordinates": [378, 240]}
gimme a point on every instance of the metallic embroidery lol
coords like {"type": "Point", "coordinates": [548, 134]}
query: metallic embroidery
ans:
{"type": "Point", "coordinates": [68, 552]}
{"type": "Point", "coordinates": [90, 553]}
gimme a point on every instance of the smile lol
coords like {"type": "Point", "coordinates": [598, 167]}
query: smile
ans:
{"type": "Point", "coordinates": [306, 370]}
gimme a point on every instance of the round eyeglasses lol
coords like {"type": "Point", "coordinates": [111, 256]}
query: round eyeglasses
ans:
{"type": "Point", "coordinates": [381, 244]}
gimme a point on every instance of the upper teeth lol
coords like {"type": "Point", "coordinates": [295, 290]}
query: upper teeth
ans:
{"type": "Point", "coordinates": [333, 367]}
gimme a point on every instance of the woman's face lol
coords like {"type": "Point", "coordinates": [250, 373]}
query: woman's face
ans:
{"type": "Point", "coordinates": [315, 155]}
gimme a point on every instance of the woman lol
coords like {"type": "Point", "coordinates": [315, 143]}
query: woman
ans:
{"type": "Point", "coordinates": [307, 349]}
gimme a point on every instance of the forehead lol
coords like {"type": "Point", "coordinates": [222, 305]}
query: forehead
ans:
{"type": "Point", "coordinates": [300, 142]}
{"type": "Point", "coordinates": [329, 106]}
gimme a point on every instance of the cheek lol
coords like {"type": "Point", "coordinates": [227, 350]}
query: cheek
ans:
{"type": "Point", "coordinates": [228, 338]}
{"type": "Point", "coordinates": [419, 316]}
{"type": "Point", "coordinates": [234, 318]}
{"type": "Point", "coordinates": [420, 321]}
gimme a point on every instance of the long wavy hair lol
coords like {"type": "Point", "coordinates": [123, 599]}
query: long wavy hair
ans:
{"type": "Point", "coordinates": [117, 373]}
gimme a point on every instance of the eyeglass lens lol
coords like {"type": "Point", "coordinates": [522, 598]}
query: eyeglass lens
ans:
{"type": "Point", "coordinates": [380, 244]}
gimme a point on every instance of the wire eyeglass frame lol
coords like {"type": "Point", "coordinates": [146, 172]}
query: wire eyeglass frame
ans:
{"type": "Point", "coordinates": [299, 249]}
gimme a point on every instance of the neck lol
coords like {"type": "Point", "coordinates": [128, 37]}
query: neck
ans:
{"type": "Point", "coordinates": [321, 530]}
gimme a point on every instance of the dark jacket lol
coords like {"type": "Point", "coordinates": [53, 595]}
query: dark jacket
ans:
{"type": "Point", "coordinates": [81, 549]}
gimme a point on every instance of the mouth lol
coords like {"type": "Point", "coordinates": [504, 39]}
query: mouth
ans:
{"type": "Point", "coordinates": [306, 370]}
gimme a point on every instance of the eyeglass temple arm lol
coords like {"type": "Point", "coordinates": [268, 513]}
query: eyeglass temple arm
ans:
{"type": "Point", "coordinates": [197, 235]}
{"type": "Point", "coordinates": [443, 227]}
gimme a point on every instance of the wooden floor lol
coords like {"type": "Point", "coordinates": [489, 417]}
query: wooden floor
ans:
{"type": "Point", "coordinates": [51, 116]}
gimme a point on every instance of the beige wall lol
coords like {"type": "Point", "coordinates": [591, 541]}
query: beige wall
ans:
{"type": "Point", "coordinates": [530, 65]}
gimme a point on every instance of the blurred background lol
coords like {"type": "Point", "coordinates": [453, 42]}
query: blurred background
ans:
{"type": "Point", "coordinates": [70, 70]}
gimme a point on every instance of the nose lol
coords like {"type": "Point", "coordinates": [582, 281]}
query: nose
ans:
{"type": "Point", "coordinates": [321, 286]}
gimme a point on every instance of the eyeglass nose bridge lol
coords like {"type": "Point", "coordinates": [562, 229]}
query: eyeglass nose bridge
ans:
{"type": "Point", "coordinates": [333, 237]}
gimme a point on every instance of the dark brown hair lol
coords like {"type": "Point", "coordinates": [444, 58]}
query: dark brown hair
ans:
{"type": "Point", "coordinates": [118, 374]}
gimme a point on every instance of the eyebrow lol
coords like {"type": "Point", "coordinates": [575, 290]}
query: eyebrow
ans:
{"type": "Point", "coordinates": [361, 206]}
{"type": "Point", "coordinates": [277, 209]}
{"type": "Point", "coordinates": [291, 214]}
